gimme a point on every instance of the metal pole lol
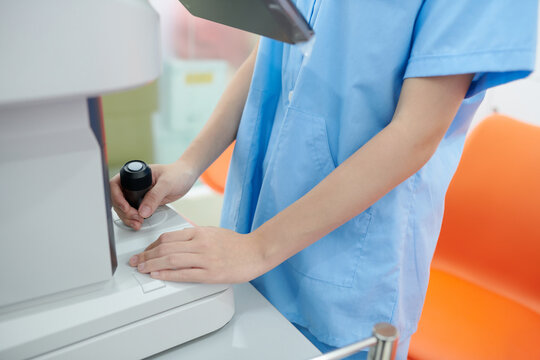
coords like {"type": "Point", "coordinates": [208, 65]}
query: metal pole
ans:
{"type": "Point", "coordinates": [347, 350]}
{"type": "Point", "coordinates": [387, 340]}
{"type": "Point", "coordinates": [383, 345]}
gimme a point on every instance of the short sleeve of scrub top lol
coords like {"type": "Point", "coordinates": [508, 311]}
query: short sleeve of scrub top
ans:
{"type": "Point", "coordinates": [489, 38]}
{"type": "Point", "coordinates": [306, 115]}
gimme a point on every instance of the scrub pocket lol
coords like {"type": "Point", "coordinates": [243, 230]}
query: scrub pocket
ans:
{"type": "Point", "coordinates": [242, 181]}
{"type": "Point", "coordinates": [303, 159]}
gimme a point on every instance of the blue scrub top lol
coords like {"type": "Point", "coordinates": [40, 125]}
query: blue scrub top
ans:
{"type": "Point", "coordinates": [306, 115]}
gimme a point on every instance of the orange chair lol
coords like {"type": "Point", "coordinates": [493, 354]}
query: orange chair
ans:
{"type": "Point", "coordinates": [216, 174]}
{"type": "Point", "coordinates": [483, 300]}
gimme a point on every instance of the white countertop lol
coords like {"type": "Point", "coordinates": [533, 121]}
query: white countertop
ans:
{"type": "Point", "coordinates": [256, 331]}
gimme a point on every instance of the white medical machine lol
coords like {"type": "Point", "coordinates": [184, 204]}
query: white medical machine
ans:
{"type": "Point", "coordinates": [66, 289]}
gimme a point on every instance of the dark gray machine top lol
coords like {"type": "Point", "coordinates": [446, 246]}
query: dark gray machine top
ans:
{"type": "Point", "coordinates": [276, 19]}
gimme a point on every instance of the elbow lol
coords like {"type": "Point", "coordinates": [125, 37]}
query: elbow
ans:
{"type": "Point", "coordinates": [420, 143]}
{"type": "Point", "coordinates": [426, 147]}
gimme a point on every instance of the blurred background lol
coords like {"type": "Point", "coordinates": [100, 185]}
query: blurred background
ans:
{"type": "Point", "coordinates": [156, 122]}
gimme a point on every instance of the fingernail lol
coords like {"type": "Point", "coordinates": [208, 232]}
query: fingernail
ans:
{"type": "Point", "coordinates": [145, 211]}
{"type": "Point", "coordinates": [137, 217]}
{"type": "Point", "coordinates": [134, 259]}
{"type": "Point", "coordinates": [154, 274]}
{"type": "Point", "coordinates": [140, 267]}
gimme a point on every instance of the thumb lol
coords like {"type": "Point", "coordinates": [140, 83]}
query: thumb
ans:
{"type": "Point", "coordinates": [152, 199]}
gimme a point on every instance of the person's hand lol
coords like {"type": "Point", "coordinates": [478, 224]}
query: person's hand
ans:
{"type": "Point", "coordinates": [203, 254]}
{"type": "Point", "coordinates": [169, 183]}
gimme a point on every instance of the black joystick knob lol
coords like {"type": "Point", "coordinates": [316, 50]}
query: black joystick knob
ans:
{"type": "Point", "coordinates": [136, 180]}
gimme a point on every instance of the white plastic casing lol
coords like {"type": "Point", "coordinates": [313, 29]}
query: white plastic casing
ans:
{"type": "Point", "coordinates": [64, 48]}
{"type": "Point", "coordinates": [130, 316]}
{"type": "Point", "coordinates": [59, 298]}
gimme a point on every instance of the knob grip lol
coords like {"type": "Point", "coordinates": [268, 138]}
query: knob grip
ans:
{"type": "Point", "coordinates": [136, 180]}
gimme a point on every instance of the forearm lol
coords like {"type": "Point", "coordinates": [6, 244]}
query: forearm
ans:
{"type": "Point", "coordinates": [389, 158]}
{"type": "Point", "coordinates": [221, 128]}
{"type": "Point", "coordinates": [360, 181]}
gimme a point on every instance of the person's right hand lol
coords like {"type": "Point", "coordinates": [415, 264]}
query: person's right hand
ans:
{"type": "Point", "coordinates": [169, 183]}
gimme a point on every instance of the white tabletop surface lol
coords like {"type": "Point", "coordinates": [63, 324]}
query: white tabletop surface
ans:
{"type": "Point", "coordinates": [256, 331]}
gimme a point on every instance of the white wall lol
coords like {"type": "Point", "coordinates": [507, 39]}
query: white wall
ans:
{"type": "Point", "coordinates": [519, 99]}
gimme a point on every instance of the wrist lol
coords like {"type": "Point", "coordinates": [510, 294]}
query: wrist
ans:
{"type": "Point", "coordinates": [266, 249]}
{"type": "Point", "coordinates": [195, 158]}
{"type": "Point", "coordinates": [185, 168]}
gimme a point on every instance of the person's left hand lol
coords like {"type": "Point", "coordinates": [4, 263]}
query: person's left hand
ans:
{"type": "Point", "coordinates": [202, 254]}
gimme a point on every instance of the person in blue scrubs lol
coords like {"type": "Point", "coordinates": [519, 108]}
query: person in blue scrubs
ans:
{"type": "Point", "coordinates": [336, 188]}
